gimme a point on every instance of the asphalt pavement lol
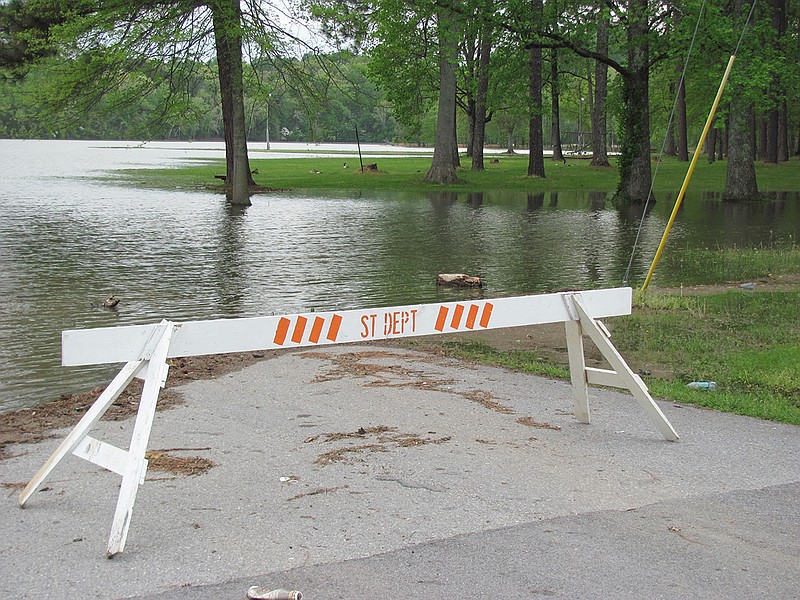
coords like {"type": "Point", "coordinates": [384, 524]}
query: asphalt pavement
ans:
{"type": "Point", "coordinates": [376, 472]}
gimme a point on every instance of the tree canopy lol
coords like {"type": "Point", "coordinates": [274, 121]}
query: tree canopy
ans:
{"type": "Point", "coordinates": [191, 69]}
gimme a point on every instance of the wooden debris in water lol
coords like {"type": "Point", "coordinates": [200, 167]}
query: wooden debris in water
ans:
{"type": "Point", "coordinates": [458, 280]}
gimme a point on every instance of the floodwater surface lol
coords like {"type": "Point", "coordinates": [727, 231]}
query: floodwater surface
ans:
{"type": "Point", "coordinates": [69, 238]}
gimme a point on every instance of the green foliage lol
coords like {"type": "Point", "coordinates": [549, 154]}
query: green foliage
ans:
{"type": "Point", "coordinates": [336, 97]}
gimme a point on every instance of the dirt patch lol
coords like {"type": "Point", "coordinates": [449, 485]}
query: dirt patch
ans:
{"type": "Point", "coordinates": [530, 422]}
{"type": "Point", "coordinates": [165, 461]}
{"type": "Point", "coordinates": [773, 283]}
{"type": "Point", "coordinates": [378, 439]}
{"type": "Point", "coordinates": [355, 364]}
{"type": "Point", "coordinates": [487, 400]}
{"type": "Point", "coordinates": [318, 491]}
{"type": "Point", "coordinates": [31, 425]}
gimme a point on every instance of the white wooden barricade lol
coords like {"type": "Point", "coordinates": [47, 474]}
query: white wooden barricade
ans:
{"type": "Point", "coordinates": [146, 348]}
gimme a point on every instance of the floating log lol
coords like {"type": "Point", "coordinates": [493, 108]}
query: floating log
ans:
{"type": "Point", "coordinates": [458, 280]}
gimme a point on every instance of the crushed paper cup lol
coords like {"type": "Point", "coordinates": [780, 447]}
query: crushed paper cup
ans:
{"type": "Point", "coordinates": [257, 592]}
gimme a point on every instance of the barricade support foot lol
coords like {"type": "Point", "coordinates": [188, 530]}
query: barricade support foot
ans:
{"type": "Point", "coordinates": [621, 376]}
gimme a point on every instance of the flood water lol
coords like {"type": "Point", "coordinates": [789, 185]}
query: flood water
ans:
{"type": "Point", "coordinates": [68, 239]}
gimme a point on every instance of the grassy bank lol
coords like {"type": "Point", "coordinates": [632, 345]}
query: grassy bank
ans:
{"type": "Point", "coordinates": [747, 342]}
{"type": "Point", "coordinates": [406, 174]}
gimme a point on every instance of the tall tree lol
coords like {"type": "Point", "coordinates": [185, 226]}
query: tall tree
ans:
{"type": "Point", "coordinates": [445, 152]}
{"type": "Point", "coordinates": [638, 25]}
{"type": "Point", "coordinates": [481, 104]}
{"type": "Point", "coordinates": [113, 41]}
{"type": "Point", "coordinates": [555, 108]}
{"type": "Point", "coordinates": [740, 183]}
{"type": "Point", "coordinates": [226, 18]}
{"type": "Point", "coordinates": [681, 128]}
{"type": "Point", "coordinates": [634, 165]}
{"type": "Point", "coordinates": [536, 135]}
{"type": "Point", "coordinates": [599, 148]}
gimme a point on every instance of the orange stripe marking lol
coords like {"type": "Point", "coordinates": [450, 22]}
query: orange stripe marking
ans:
{"type": "Point", "coordinates": [299, 328]}
{"type": "Point", "coordinates": [471, 316]}
{"type": "Point", "coordinates": [336, 322]}
{"type": "Point", "coordinates": [441, 318]}
{"type": "Point", "coordinates": [283, 328]}
{"type": "Point", "coordinates": [486, 314]}
{"type": "Point", "coordinates": [457, 313]}
{"type": "Point", "coordinates": [316, 330]}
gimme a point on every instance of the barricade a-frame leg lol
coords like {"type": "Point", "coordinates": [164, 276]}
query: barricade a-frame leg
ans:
{"type": "Point", "coordinates": [130, 464]}
{"type": "Point", "coordinates": [621, 375]}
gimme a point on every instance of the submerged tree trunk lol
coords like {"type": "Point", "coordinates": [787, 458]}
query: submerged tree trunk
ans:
{"type": "Point", "coordinates": [443, 169]}
{"type": "Point", "coordinates": [228, 42]}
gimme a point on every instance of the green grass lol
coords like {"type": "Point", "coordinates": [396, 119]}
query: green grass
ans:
{"type": "Point", "coordinates": [518, 360]}
{"type": "Point", "coordinates": [407, 174]}
{"type": "Point", "coordinates": [747, 342]}
{"type": "Point", "coordinates": [698, 266]}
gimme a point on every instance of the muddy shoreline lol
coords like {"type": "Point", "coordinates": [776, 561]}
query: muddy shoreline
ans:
{"type": "Point", "coordinates": [37, 423]}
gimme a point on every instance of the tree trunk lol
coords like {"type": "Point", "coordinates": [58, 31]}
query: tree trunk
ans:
{"type": "Point", "coordinates": [771, 144]}
{"type": "Point", "coordinates": [228, 42]}
{"type": "Point", "coordinates": [797, 143]}
{"type": "Point", "coordinates": [741, 182]}
{"type": "Point", "coordinates": [778, 17]}
{"type": "Point", "coordinates": [680, 123]}
{"type": "Point", "coordinates": [443, 168]}
{"type": "Point", "coordinates": [510, 141]}
{"type": "Point", "coordinates": [599, 148]}
{"type": "Point", "coordinates": [783, 132]}
{"type": "Point", "coordinates": [711, 144]}
{"type": "Point", "coordinates": [555, 131]}
{"type": "Point", "coordinates": [535, 133]}
{"type": "Point", "coordinates": [635, 169]}
{"type": "Point", "coordinates": [479, 134]}
{"type": "Point", "coordinates": [670, 149]}
{"type": "Point", "coordinates": [472, 117]}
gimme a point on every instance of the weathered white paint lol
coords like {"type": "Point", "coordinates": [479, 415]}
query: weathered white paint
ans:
{"type": "Point", "coordinates": [146, 348]}
{"type": "Point", "coordinates": [196, 338]}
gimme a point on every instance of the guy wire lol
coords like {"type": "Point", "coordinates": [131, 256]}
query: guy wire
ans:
{"type": "Point", "coordinates": [681, 83]}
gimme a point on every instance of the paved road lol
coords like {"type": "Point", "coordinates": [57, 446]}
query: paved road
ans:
{"type": "Point", "coordinates": [382, 473]}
